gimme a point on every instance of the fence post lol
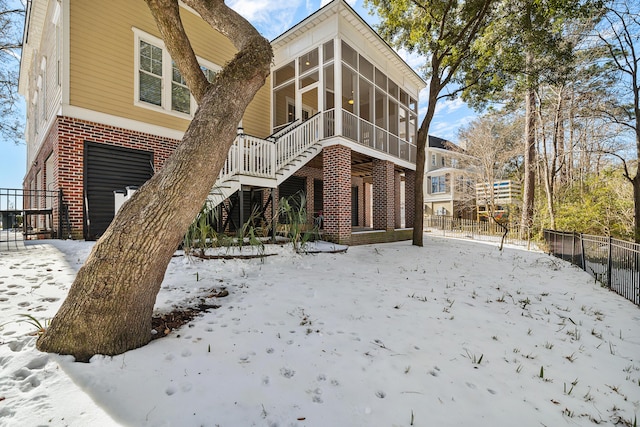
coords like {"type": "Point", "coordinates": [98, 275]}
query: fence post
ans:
{"type": "Point", "coordinates": [60, 213]}
{"type": "Point", "coordinates": [609, 263]}
{"type": "Point", "coordinates": [584, 261]}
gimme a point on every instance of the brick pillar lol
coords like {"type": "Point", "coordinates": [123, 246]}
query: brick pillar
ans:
{"type": "Point", "coordinates": [310, 197]}
{"type": "Point", "coordinates": [336, 175]}
{"type": "Point", "coordinates": [409, 195]}
{"type": "Point", "coordinates": [397, 181]}
{"type": "Point", "coordinates": [383, 195]}
{"type": "Point", "coordinates": [367, 204]}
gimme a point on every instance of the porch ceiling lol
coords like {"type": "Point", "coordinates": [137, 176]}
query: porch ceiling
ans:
{"type": "Point", "coordinates": [361, 164]}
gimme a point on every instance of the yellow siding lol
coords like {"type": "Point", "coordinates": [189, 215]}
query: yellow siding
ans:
{"type": "Point", "coordinates": [102, 59]}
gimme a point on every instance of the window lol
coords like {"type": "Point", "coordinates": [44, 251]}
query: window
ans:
{"type": "Point", "coordinates": [43, 90]}
{"type": "Point", "coordinates": [150, 73]}
{"type": "Point", "coordinates": [284, 74]}
{"type": "Point", "coordinates": [159, 83]}
{"type": "Point", "coordinates": [349, 55]}
{"type": "Point", "coordinates": [328, 51]}
{"type": "Point", "coordinates": [439, 184]}
{"type": "Point", "coordinates": [209, 74]}
{"type": "Point", "coordinates": [433, 160]}
{"type": "Point", "coordinates": [308, 61]}
{"type": "Point", "coordinates": [180, 97]}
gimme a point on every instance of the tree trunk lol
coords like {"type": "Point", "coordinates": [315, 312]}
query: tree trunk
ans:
{"type": "Point", "coordinates": [418, 219]}
{"type": "Point", "coordinates": [109, 306]}
{"type": "Point", "coordinates": [529, 161]}
{"type": "Point", "coordinates": [422, 143]}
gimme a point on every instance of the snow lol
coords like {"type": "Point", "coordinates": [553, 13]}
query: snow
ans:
{"type": "Point", "coordinates": [453, 333]}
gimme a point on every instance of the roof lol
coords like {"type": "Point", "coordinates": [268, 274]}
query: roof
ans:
{"type": "Point", "coordinates": [443, 144]}
{"type": "Point", "coordinates": [340, 6]}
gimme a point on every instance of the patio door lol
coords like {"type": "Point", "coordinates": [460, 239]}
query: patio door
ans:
{"type": "Point", "coordinates": [309, 106]}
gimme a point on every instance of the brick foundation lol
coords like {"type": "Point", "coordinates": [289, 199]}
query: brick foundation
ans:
{"type": "Point", "coordinates": [337, 193]}
{"type": "Point", "coordinates": [383, 195]}
{"type": "Point", "coordinates": [409, 196]}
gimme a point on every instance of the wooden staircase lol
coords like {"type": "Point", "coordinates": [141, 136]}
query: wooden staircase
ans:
{"type": "Point", "coordinates": [267, 162]}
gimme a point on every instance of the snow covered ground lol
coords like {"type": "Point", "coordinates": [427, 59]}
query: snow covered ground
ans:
{"type": "Point", "coordinates": [454, 333]}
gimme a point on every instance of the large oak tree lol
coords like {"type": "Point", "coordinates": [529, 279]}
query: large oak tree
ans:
{"type": "Point", "coordinates": [444, 33]}
{"type": "Point", "coordinates": [109, 307]}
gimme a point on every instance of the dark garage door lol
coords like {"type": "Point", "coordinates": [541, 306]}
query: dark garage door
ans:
{"type": "Point", "coordinates": [109, 168]}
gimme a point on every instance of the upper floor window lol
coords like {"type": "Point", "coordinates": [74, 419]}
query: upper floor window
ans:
{"type": "Point", "coordinates": [439, 184]}
{"type": "Point", "coordinates": [159, 84]}
{"type": "Point", "coordinates": [150, 73]}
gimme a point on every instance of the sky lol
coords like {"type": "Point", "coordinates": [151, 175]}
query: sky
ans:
{"type": "Point", "coordinates": [455, 333]}
{"type": "Point", "coordinates": [272, 18]}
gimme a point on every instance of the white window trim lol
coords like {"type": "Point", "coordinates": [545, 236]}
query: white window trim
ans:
{"type": "Point", "coordinates": [166, 80]}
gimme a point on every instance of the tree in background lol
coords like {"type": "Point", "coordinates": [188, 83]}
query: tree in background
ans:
{"type": "Point", "coordinates": [620, 35]}
{"type": "Point", "coordinates": [11, 16]}
{"type": "Point", "coordinates": [109, 306]}
{"type": "Point", "coordinates": [493, 143]}
{"type": "Point", "coordinates": [445, 33]}
{"type": "Point", "coordinates": [526, 46]}
{"type": "Point", "coordinates": [602, 205]}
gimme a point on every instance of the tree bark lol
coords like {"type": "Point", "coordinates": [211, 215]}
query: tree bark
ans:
{"type": "Point", "coordinates": [422, 143]}
{"type": "Point", "coordinates": [529, 161]}
{"type": "Point", "coordinates": [109, 306]}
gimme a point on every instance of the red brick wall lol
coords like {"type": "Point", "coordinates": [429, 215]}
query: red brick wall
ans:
{"type": "Point", "coordinates": [409, 194]}
{"type": "Point", "coordinates": [337, 193]}
{"type": "Point", "coordinates": [397, 182]}
{"type": "Point", "coordinates": [66, 140]}
{"type": "Point", "coordinates": [383, 195]}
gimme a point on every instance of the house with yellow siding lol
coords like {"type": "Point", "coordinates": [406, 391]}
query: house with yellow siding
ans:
{"type": "Point", "coordinates": [336, 121]}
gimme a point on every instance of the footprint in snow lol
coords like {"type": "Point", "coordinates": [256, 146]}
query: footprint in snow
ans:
{"type": "Point", "coordinates": [316, 395]}
{"type": "Point", "coordinates": [287, 373]}
{"type": "Point", "coordinates": [38, 362]}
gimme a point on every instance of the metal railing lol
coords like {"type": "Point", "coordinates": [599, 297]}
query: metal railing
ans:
{"type": "Point", "coordinates": [27, 214]}
{"type": "Point", "coordinates": [487, 231]}
{"type": "Point", "coordinates": [614, 263]}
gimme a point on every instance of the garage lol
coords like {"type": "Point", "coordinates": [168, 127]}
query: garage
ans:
{"type": "Point", "coordinates": [108, 168]}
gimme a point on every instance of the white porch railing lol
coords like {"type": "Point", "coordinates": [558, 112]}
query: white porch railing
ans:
{"type": "Point", "coordinates": [292, 144]}
{"type": "Point", "coordinates": [369, 135]}
{"type": "Point", "coordinates": [258, 157]}
{"type": "Point", "coordinates": [262, 158]}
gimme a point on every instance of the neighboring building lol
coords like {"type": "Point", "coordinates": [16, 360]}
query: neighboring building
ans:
{"type": "Point", "coordinates": [448, 184]}
{"type": "Point", "coordinates": [505, 198]}
{"type": "Point", "coordinates": [337, 119]}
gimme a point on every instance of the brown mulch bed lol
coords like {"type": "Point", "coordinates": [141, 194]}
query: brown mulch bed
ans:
{"type": "Point", "coordinates": [164, 323]}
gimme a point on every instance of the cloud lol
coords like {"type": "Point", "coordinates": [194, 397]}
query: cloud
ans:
{"type": "Point", "coordinates": [450, 105]}
{"type": "Point", "coordinates": [448, 128]}
{"type": "Point", "coordinates": [415, 60]}
{"type": "Point", "coordinates": [270, 17]}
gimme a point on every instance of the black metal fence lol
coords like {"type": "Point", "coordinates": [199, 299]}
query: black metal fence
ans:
{"type": "Point", "coordinates": [614, 263]}
{"type": "Point", "coordinates": [448, 226]}
{"type": "Point", "coordinates": [31, 214]}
